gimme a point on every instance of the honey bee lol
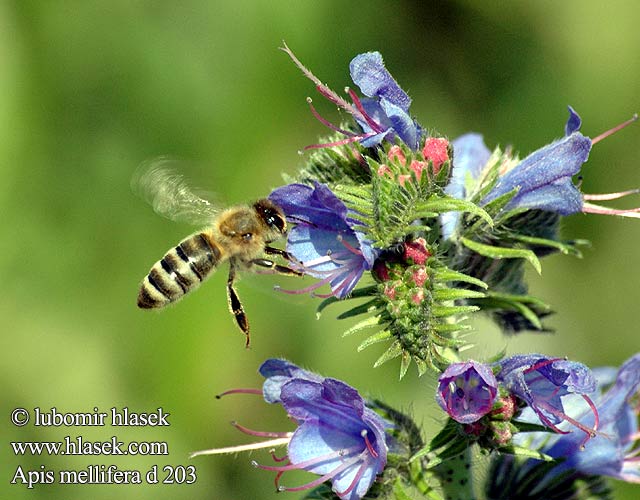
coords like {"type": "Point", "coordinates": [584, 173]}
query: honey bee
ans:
{"type": "Point", "coordinates": [240, 235]}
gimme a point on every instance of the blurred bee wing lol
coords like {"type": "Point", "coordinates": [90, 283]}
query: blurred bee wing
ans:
{"type": "Point", "coordinates": [158, 183]}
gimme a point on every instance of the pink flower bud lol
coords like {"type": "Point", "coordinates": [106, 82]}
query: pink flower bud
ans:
{"type": "Point", "coordinates": [436, 151]}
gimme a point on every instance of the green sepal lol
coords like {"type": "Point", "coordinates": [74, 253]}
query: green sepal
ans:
{"type": "Point", "coordinates": [445, 294]}
{"type": "Point", "coordinates": [367, 307]}
{"type": "Point", "coordinates": [364, 291]}
{"type": "Point", "coordinates": [405, 362]}
{"type": "Point", "coordinates": [392, 352]}
{"type": "Point", "coordinates": [442, 204]}
{"type": "Point", "coordinates": [375, 339]}
{"type": "Point", "coordinates": [444, 311]}
{"type": "Point", "coordinates": [370, 322]}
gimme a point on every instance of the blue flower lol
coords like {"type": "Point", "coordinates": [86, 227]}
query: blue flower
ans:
{"type": "Point", "coordinates": [542, 382]}
{"type": "Point", "coordinates": [467, 391]}
{"type": "Point", "coordinates": [470, 155]}
{"type": "Point", "coordinates": [383, 115]}
{"type": "Point", "coordinates": [278, 372]}
{"type": "Point", "coordinates": [387, 109]}
{"type": "Point", "coordinates": [615, 450]}
{"type": "Point", "coordinates": [338, 437]}
{"type": "Point", "coordinates": [325, 241]}
{"type": "Point", "coordinates": [543, 179]}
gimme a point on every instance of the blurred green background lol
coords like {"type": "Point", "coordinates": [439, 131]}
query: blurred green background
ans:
{"type": "Point", "coordinates": [89, 90]}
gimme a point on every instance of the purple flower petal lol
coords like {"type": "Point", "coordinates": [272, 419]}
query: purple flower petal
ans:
{"type": "Point", "coordinates": [573, 123]}
{"type": "Point", "coordinates": [614, 450]}
{"type": "Point", "coordinates": [467, 391]}
{"type": "Point", "coordinates": [278, 372]}
{"type": "Point", "coordinates": [541, 382]}
{"type": "Point", "coordinates": [543, 178]}
{"type": "Point", "coordinates": [470, 155]}
{"type": "Point", "coordinates": [373, 79]}
{"type": "Point", "coordinates": [325, 240]}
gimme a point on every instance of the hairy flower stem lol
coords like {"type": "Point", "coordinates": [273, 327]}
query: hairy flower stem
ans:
{"type": "Point", "coordinates": [455, 477]}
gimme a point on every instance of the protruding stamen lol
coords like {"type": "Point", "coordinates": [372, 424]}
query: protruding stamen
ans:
{"type": "Point", "coordinates": [349, 140]}
{"type": "Point", "coordinates": [615, 129]}
{"type": "Point", "coordinates": [317, 482]}
{"type": "Point", "coordinates": [610, 196]}
{"type": "Point", "coordinates": [589, 432]}
{"type": "Point", "coordinates": [591, 208]}
{"type": "Point", "coordinates": [276, 458]}
{"type": "Point", "coordinates": [358, 103]}
{"type": "Point", "coordinates": [324, 121]}
{"type": "Point", "coordinates": [239, 391]}
{"type": "Point", "coordinates": [251, 432]}
{"type": "Point", "coordinates": [322, 88]}
{"type": "Point", "coordinates": [311, 462]}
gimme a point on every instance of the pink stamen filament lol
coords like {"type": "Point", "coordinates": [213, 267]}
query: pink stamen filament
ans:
{"type": "Point", "coordinates": [358, 103]}
{"type": "Point", "coordinates": [307, 289]}
{"type": "Point", "coordinates": [348, 246]}
{"type": "Point", "coordinates": [541, 364]}
{"type": "Point", "coordinates": [312, 462]}
{"type": "Point", "coordinates": [239, 391]}
{"type": "Point", "coordinates": [354, 482]}
{"type": "Point", "coordinates": [342, 467]}
{"type": "Point", "coordinates": [610, 196]}
{"type": "Point", "coordinates": [251, 432]}
{"type": "Point", "coordinates": [373, 452]}
{"type": "Point", "coordinates": [591, 208]}
{"type": "Point", "coordinates": [349, 140]}
{"type": "Point", "coordinates": [615, 129]}
{"type": "Point", "coordinates": [590, 432]}
{"type": "Point", "coordinates": [276, 458]}
{"type": "Point", "coordinates": [326, 122]}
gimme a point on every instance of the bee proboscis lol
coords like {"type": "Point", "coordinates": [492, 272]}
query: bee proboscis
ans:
{"type": "Point", "coordinates": [240, 235]}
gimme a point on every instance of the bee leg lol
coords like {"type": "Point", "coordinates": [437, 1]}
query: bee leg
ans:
{"type": "Point", "coordinates": [269, 264]}
{"type": "Point", "coordinates": [282, 253]}
{"type": "Point", "coordinates": [235, 306]}
{"type": "Point", "coordinates": [276, 251]}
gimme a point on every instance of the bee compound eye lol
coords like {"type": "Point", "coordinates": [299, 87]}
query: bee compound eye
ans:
{"type": "Point", "coordinates": [247, 236]}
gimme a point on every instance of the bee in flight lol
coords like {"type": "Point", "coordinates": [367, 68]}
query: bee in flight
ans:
{"type": "Point", "coordinates": [240, 235]}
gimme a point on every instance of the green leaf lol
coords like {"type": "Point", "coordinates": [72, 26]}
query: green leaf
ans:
{"type": "Point", "coordinates": [503, 253]}
{"type": "Point", "coordinates": [521, 451]}
{"type": "Point", "coordinates": [448, 204]}
{"type": "Point", "coordinates": [447, 274]}
{"type": "Point", "coordinates": [563, 248]}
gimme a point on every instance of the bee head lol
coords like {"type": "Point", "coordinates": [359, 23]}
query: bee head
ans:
{"type": "Point", "coordinates": [271, 215]}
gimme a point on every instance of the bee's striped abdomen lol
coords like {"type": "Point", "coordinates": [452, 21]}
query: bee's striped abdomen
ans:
{"type": "Point", "coordinates": [181, 270]}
